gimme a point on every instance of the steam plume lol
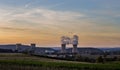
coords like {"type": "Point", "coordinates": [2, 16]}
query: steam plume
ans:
{"type": "Point", "coordinates": [65, 40]}
{"type": "Point", "coordinates": [68, 40]}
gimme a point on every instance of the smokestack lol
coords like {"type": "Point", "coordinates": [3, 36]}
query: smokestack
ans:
{"type": "Point", "coordinates": [32, 48]}
{"type": "Point", "coordinates": [18, 46]}
{"type": "Point", "coordinates": [75, 43]}
{"type": "Point", "coordinates": [33, 45]}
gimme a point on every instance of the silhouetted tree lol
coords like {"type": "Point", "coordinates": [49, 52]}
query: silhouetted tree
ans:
{"type": "Point", "coordinates": [115, 58]}
{"type": "Point", "coordinates": [100, 59]}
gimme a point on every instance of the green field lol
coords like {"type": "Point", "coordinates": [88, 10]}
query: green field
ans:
{"type": "Point", "coordinates": [27, 62]}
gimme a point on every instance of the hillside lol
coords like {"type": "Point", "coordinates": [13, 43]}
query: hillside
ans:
{"type": "Point", "coordinates": [26, 62]}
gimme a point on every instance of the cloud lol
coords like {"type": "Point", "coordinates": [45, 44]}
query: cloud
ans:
{"type": "Point", "coordinates": [42, 19]}
{"type": "Point", "coordinates": [44, 23]}
{"type": "Point", "coordinates": [30, 3]}
{"type": "Point", "coordinates": [13, 29]}
{"type": "Point", "coordinates": [37, 17]}
{"type": "Point", "coordinates": [48, 14]}
{"type": "Point", "coordinates": [9, 28]}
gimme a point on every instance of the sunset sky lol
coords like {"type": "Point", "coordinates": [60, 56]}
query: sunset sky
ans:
{"type": "Point", "coordinates": [96, 22]}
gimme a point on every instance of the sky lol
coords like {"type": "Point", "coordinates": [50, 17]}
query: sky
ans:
{"type": "Point", "coordinates": [43, 22]}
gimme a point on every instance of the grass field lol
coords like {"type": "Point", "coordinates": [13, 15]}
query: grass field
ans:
{"type": "Point", "coordinates": [27, 62]}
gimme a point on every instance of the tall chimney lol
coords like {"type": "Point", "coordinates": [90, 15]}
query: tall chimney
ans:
{"type": "Point", "coordinates": [18, 46]}
{"type": "Point", "coordinates": [33, 45]}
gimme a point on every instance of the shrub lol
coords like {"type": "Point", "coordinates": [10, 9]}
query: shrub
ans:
{"type": "Point", "coordinates": [100, 59]}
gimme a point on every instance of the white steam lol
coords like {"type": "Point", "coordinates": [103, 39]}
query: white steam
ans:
{"type": "Point", "coordinates": [65, 40]}
{"type": "Point", "coordinates": [68, 40]}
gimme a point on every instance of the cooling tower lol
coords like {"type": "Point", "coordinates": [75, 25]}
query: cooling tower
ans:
{"type": "Point", "coordinates": [75, 43]}
{"type": "Point", "coordinates": [74, 48]}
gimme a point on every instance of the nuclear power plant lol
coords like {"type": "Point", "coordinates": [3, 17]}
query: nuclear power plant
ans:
{"type": "Point", "coordinates": [67, 40]}
{"type": "Point", "coordinates": [61, 52]}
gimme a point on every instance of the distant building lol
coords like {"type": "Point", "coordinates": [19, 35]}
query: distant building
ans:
{"type": "Point", "coordinates": [44, 51]}
{"type": "Point", "coordinates": [86, 51]}
{"type": "Point", "coordinates": [15, 47]}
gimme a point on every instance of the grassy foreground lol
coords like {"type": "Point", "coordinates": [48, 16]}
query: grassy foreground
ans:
{"type": "Point", "coordinates": [23, 62]}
